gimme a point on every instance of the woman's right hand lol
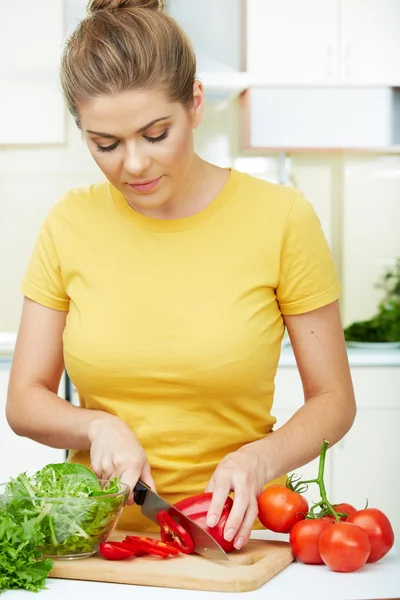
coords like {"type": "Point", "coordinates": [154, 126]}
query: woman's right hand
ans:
{"type": "Point", "coordinates": [115, 451]}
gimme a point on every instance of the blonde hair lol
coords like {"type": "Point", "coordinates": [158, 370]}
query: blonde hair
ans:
{"type": "Point", "coordinates": [126, 44]}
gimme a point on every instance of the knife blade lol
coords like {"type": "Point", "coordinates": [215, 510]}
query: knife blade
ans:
{"type": "Point", "coordinates": [151, 503]}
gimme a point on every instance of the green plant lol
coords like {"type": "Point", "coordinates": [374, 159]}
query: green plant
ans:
{"type": "Point", "coordinates": [384, 326]}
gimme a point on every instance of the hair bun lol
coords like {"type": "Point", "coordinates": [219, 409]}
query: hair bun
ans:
{"type": "Point", "coordinates": [98, 5]}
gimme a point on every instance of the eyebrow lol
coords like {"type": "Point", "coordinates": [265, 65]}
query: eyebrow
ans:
{"type": "Point", "coordinates": [109, 135]}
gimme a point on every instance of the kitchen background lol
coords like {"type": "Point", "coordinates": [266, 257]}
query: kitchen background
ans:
{"type": "Point", "coordinates": [300, 92]}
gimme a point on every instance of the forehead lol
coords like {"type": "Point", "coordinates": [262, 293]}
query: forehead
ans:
{"type": "Point", "coordinates": [124, 111]}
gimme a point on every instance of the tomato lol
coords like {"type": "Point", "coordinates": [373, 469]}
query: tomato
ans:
{"type": "Point", "coordinates": [196, 508]}
{"type": "Point", "coordinates": [174, 534]}
{"type": "Point", "coordinates": [114, 551]}
{"type": "Point", "coordinates": [347, 509]}
{"type": "Point", "coordinates": [344, 546]}
{"type": "Point", "coordinates": [140, 545]}
{"type": "Point", "coordinates": [279, 508]}
{"type": "Point", "coordinates": [304, 537]}
{"type": "Point", "coordinates": [378, 528]}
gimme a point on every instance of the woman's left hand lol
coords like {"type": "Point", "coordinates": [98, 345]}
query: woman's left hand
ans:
{"type": "Point", "coordinates": [244, 473]}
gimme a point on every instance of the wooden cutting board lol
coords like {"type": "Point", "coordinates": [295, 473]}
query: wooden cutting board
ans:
{"type": "Point", "coordinates": [247, 570]}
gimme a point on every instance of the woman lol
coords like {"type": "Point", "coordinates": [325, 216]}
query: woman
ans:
{"type": "Point", "coordinates": [166, 290]}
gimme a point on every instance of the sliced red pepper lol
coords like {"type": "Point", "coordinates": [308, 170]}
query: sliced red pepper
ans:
{"type": "Point", "coordinates": [114, 551]}
{"type": "Point", "coordinates": [149, 545]}
{"type": "Point", "coordinates": [174, 534]}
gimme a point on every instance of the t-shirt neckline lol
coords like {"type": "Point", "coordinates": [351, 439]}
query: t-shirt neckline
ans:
{"type": "Point", "coordinates": [175, 225]}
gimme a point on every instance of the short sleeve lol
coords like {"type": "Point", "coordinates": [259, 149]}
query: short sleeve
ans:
{"type": "Point", "coordinates": [307, 277]}
{"type": "Point", "coordinates": [43, 279]}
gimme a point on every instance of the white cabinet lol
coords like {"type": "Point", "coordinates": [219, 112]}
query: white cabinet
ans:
{"type": "Point", "coordinates": [292, 41]}
{"type": "Point", "coordinates": [370, 42]}
{"type": "Point", "coordinates": [323, 42]}
{"type": "Point", "coordinates": [295, 118]}
{"type": "Point", "coordinates": [364, 464]}
{"type": "Point", "coordinates": [365, 461]}
{"type": "Point", "coordinates": [19, 454]}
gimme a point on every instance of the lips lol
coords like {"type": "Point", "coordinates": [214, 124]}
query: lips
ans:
{"type": "Point", "coordinates": [145, 186]}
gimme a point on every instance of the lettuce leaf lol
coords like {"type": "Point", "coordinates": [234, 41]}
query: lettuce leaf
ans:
{"type": "Point", "coordinates": [21, 564]}
{"type": "Point", "coordinates": [65, 500]}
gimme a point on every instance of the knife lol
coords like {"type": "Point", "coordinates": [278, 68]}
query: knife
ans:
{"type": "Point", "coordinates": [151, 504]}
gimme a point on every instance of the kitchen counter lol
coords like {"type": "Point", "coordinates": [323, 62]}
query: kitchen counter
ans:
{"type": "Point", "coordinates": [305, 582]}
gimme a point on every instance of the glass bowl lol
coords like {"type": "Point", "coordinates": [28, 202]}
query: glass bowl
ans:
{"type": "Point", "coordinates": [72, 527]}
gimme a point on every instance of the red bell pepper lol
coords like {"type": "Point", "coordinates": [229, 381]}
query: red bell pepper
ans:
{"type": "Point", "coordinates": [196, 508]}
{"type": "Point", "coordinates": [147, 545]}
{"type": "Point", "coordinates": [174, 534]}
{"type": "Point", "coordinates": [115, 551]}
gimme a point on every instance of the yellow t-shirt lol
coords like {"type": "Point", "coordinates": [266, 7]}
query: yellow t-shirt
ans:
{"type": "Point", "coordinates": [176, 325]}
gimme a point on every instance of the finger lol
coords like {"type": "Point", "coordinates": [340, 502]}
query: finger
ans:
{"type": "Point", "coordinates": [130, 477]}
{"type": "Point", "coordinates": [107, 470]}
{"type": "Point", "coordinates": [241, 501]}
{"type": "Point", "coordinates": [210, 486]}
{"type": "Point", "coordinates": [222, 488]}
{"type": "Point", "coordinates": [146, 477]}
{"type": "Point", "coordinates": [243, 535]}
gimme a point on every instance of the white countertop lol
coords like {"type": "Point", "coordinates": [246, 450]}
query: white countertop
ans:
{"type": "Point", "coordinates": [303, 582]}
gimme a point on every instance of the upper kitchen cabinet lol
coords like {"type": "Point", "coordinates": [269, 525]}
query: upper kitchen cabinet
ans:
{"type": "Point", "coordinates": [292, 41]}
{"type": "Point", "coordinates": [370, 42]}
{"type": "Point", "coordinates": [215, 28]}
{"type": "Point", "coordinates": [323, 42]}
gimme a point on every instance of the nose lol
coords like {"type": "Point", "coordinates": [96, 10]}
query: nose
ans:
{"type": "Point", "coordinates": [136, 160]}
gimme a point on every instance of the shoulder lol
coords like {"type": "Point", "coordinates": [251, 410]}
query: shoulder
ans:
{"type": "Point", "coordinates": [80, 203]}
{"type": "Point", "coordinates": [270, 202]}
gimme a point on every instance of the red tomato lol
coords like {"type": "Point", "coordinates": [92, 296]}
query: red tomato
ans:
{"type": "Point", "coordinates": [279, 508]}
{"type": "Point", "coordinates": [378, 528]}
{"type": "Point", "coordinates": [304, 537]}
{"type": "Point", "coordinates": [344, 547]}
{"type": "Point", "coordinates": [347, 509]}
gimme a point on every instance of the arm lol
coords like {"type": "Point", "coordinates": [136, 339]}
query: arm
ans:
{"type": "Point", "coordinates": [328, 413]}
{"type": "Point", "coordinates": [329, 405]}
{"type": "Point", "coordinates": [35, 410]}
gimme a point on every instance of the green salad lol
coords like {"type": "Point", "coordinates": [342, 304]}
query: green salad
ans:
{"type": "Point", "coordinates": [61, 511]}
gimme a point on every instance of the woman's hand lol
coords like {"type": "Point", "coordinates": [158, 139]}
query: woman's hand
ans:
{"type": "Point", "coordinates": [244, 473]}
{"type": "Point", "coordinates": [116, 452]}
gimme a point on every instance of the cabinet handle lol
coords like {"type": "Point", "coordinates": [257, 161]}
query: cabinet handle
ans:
{"type": "Point", "coordinates": [347, 60]}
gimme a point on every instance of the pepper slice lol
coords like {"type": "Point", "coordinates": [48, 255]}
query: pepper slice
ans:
{"type": "Point", "coordinates": [147, 545]}
{"type": "Point", "coordinates": [114, 551]}
{"type": "Point", "coordinates": [174, 534]}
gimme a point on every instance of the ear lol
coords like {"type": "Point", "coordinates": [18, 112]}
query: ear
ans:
{"type": "Point", "coordinates": [198, 103]}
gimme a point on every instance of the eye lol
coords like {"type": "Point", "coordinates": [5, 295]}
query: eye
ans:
{"type": "Point", "coordinates": [160, 138]}
{"type": "Point", "coordinates": [107, 148]}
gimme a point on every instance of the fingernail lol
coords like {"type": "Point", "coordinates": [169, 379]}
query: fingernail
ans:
{"type": "Point", "coordinates": [212, 520]}
{"type": "Point", "coordinates": [229, 535]}
{"type": "Point", "coordinates": [238, 543]}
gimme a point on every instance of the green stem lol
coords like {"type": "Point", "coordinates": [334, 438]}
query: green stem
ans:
{"type": "Point", "coordinates": [321, 484]}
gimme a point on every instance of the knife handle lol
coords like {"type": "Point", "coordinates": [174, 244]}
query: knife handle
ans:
{"type": "Point", "coordinates": [139, 492]}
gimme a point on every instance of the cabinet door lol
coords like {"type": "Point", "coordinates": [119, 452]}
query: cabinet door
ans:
{"type": "Point", "coordinates": [370, 50]}
{"type": "Point", "coordinates": [365, 463]}
{"type": "Point", "coordinates": [288, 41]}
{"type": "Point", "coordinates": [18, 454]}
